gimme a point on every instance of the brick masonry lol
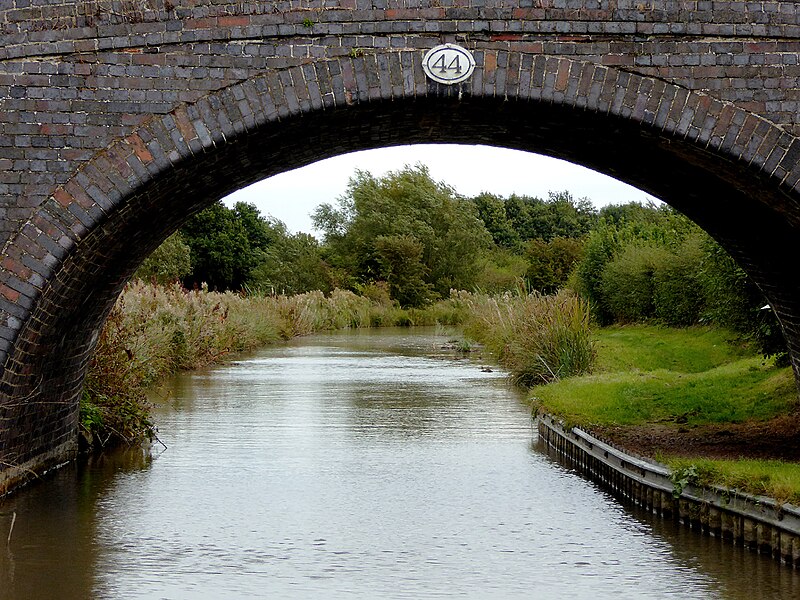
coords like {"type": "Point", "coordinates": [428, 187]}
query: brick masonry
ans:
{"type": "Point", "coordinates": [119, 118]}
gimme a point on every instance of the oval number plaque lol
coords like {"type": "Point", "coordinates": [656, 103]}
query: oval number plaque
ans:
{"type": "Point", "coordinates": [448, 64]}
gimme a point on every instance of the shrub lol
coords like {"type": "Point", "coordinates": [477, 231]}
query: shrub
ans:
{"type": "Point", "coordinates": [168, 263]}
{"type": "Point", "coordinates": [550, 263]}
{"type": "Point", "coordinates": [628, 282]}
{"type": "Point", "coordinates": [678, 297]}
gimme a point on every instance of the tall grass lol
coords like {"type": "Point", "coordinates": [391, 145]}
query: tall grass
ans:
{"type": "Point", "coordinates": [538, 338]}
{"type": "Point", "coordinates": [154, 331]}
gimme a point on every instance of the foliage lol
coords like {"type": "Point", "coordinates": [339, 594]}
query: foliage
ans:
{"type": "Point", "coordinates": [681, 477]}
{"type": "Point", "coordinates": [550, 263]}
{"type": "Point", "coordinates": [239, 249]}
{"type": "Point", "coordinates": [222, 248]}
{"type": "Point", "coordinates": [678, 295]}
{"type": "Point", "coordinates": [492, 211]}
{"type": "Point", "coordinates": [417, 239]}
{"type": "Point", "coordinates": [560, 215]}
{"type": "Point", "coordinates": [627, 282]}
{"type": "Point", "coordinates": [650, 263]}
{"type": "Point", "coordinates": [170, 262]}
{"type": "Point", "coordinates": [156, 330]}
{"type": "Point", "coordinates": [292, 264]}
{"type": "Point", "coordinates": [734, 301]}
{"type": "Point", "coordinates": [500, 270]}
{"type": "Point", "coordinates": [399, 258]}
{"type": "Point", "coordinates": [379, 224]}
{"type": "Point", "coordinates": [537, 338]}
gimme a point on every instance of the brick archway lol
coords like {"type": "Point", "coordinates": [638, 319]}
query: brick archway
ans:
{"type": "Point", "coordinates": [732, 171]}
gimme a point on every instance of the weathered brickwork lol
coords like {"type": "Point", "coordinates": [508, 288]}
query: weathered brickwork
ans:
{"type": "Point", "coordinates": [118, 118]}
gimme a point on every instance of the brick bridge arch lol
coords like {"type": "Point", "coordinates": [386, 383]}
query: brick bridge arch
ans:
{"type": "Point", "coordinates": [114, 129]}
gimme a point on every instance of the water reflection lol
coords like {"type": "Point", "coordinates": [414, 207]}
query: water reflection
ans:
{"type": "Point", "coordinates": [51, 551]}
{"type": "Point", "coordinates": [352, 465]}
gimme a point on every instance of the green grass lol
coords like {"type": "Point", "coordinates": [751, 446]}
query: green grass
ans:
{"type": "Point", "coordinates": [687, 377]}
{"type": "Point", "coordinates": [776, 479]}
{"type": "Point", "coordinates": [648, 348]}
{"type": "Point", "coordinates": [650, 374]}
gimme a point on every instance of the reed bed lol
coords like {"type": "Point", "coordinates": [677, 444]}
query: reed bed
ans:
{"type": "Point", "coordinates": [154, 331]}
{"type": "Point", "coordinates": [538, 338]}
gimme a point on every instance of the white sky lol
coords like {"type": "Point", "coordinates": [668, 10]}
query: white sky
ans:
{"type": "Point", "coordinates": [293, 196]}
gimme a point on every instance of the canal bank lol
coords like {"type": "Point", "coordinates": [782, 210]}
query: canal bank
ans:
{"type": "Point", "coordinates": [758, 523]}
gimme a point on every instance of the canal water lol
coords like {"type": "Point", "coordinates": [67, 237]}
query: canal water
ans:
{"type": "Point", "coordinates": [366, 464]}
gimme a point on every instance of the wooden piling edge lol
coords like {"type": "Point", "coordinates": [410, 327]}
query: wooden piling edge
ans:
{"type": "Point", "coordinates": [756, 522]}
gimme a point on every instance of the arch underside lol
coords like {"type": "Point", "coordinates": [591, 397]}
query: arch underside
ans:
{"type": "Point", "coordinates": [751, 212]}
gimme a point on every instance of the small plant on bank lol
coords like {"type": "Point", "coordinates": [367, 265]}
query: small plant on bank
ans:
{"type": "Point", "coordinates": [682, 477]}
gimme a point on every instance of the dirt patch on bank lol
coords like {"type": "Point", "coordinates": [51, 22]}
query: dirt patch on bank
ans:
{"type": "Point", "coordinates": [778, 438]}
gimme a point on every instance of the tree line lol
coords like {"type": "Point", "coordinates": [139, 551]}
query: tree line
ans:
{"type": "Point", "coordinates": [410, 240]}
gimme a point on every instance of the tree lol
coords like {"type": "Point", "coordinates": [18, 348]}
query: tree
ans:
{"type": "Point", "coordinates": [400, 260]}
{"type": "Point", "coordinates": [404, 205]}
{"type": "Point", "coordinates": [228, 243]}
{"type": "Point", "coordinates": [293, 264]}
{"type": "Point", "coordinates": [492, 211]}
{"type": "Point", "coordinates": [221, 252]}
{"type": "Point", "coordinates": [628, 281]}
{"type": "Point", "coordinates": [168, 263]}
{"type": "Point", "coordinates": [560, 215]}
{"type": "Point", "coordinates": [550, 263]}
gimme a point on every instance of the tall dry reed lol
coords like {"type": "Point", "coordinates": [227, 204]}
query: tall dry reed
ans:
{"type": "Point", "coordinates": [154, 331]}
{"type": "Point", "coordinates": [537, 338]}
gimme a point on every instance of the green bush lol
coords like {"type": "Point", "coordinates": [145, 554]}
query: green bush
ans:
{"type": "Point", "coordinates": [628, 282]}
{"type": "Point", "coordinates": [550, 263]}
{"type": "Point", "coordinates": [168, 263]}
{"type": "Point", "coordinates": [678, 294]}
{"type": "Point", "coordinates": [500, 270]}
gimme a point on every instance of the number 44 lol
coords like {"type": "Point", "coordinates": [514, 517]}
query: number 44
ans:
{"type": "Point", "coordinates": [443, 66]}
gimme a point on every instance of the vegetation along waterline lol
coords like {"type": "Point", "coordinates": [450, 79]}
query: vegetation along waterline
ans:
{"type": "Point", "coordinates": [157, 330]}
{"type": "Point", "coordinates": [539, 272]}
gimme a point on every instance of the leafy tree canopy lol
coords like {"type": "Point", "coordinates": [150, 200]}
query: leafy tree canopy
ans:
{"type": "Point", "coordinates": [560, 215]}
{"type": "Point", "coordinates": [170, 262]}
{"type": "Point", "coordinates": [381, 222]}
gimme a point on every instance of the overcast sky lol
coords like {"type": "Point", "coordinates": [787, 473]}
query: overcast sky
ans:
{"type": "Point", "coordinates": [293, 196]}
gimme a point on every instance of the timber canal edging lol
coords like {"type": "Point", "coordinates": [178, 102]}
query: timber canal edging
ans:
{"type": "Point", "coordinates": [755, 522]}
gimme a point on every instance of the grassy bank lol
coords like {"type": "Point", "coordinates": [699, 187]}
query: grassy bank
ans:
{"type": "Point", "coordinates": [691, 376]}
{"type": "Point", "coordinates": [773, 478]}
{"type": "Point", "coordinates": [684, 383]}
